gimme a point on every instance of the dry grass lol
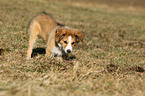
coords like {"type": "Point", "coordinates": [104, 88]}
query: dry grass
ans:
{"type": "Point", "coordinates": [110, 62]}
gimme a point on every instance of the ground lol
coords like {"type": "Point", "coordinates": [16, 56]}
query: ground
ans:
{"type": "Point", "coordinates": [110, 61]}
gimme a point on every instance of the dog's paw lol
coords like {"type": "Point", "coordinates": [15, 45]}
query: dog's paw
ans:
{"type": "Point", "coordinates": [28, 58]}
{"type": "Point", "coordinates": [60, 59]}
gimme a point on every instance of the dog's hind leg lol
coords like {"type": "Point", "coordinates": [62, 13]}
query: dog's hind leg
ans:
{"type": "Point", "coordinates": [34, 30]}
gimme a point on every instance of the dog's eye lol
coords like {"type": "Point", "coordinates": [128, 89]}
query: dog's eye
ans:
{"type": "Point", "coordinates": [65, 42]}
{"type": "Point", "coordinates": [73, 43]}
{"type": "Point", "coordinates": [63, 34]}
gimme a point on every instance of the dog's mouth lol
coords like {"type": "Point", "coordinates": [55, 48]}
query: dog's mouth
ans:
{"type": "Point", "coordinates": [66, 50]}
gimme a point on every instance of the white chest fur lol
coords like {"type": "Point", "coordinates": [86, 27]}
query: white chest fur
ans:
{"type": "Point", "coordinates": [56, 51]}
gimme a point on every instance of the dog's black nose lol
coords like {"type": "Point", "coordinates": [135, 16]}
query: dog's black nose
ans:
{"type": "Point", "coordinates": [68, 51]}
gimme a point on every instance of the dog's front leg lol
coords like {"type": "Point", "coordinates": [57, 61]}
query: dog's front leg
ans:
{"type": "Point", "coordinates": [50, 46]}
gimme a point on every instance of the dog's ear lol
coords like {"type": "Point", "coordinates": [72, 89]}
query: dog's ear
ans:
{"type": "Point", "coordinates": [60, 33]}
{"type": "Point", "coordinates": [79, 36]}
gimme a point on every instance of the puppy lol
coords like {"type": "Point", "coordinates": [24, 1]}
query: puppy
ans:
{"type": "Point", "coordinates": [60, 40]}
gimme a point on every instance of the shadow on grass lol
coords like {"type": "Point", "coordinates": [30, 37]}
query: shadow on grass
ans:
{"type": "Point", "coordinates": [37, 51]}
{"type": "Point", "coordinates": [40, 50]}
{"type": "Point", "coordinates": [1, 51]}
{"type": "Point", "coordinates": [69, 58]}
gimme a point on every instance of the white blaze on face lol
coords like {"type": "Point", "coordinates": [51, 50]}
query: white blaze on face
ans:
{"type": "Point", "coordinates": [68, 48]}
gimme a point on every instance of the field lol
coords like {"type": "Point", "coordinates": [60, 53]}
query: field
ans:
{"type": "Point", "coordinates": [110, 61]}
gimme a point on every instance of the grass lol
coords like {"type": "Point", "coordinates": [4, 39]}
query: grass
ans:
{"type": "Point", "coordinates": [111, 61]}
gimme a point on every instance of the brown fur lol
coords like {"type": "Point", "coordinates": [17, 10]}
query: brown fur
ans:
{"type": "Point", "coordinates": [47, 28]}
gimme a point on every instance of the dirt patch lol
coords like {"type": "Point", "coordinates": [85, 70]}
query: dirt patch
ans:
{"type": "Point", "coordinates": [137, 69]}
{"type": "Point", "coordinates": [112, 68]}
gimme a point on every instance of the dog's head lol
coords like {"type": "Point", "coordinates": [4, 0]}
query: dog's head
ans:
{"type": "Point", "coordinates": [67, 38]}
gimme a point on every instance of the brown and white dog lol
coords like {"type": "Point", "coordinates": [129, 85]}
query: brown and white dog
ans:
{"type": "Point", "coordinates": [60, 40]}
